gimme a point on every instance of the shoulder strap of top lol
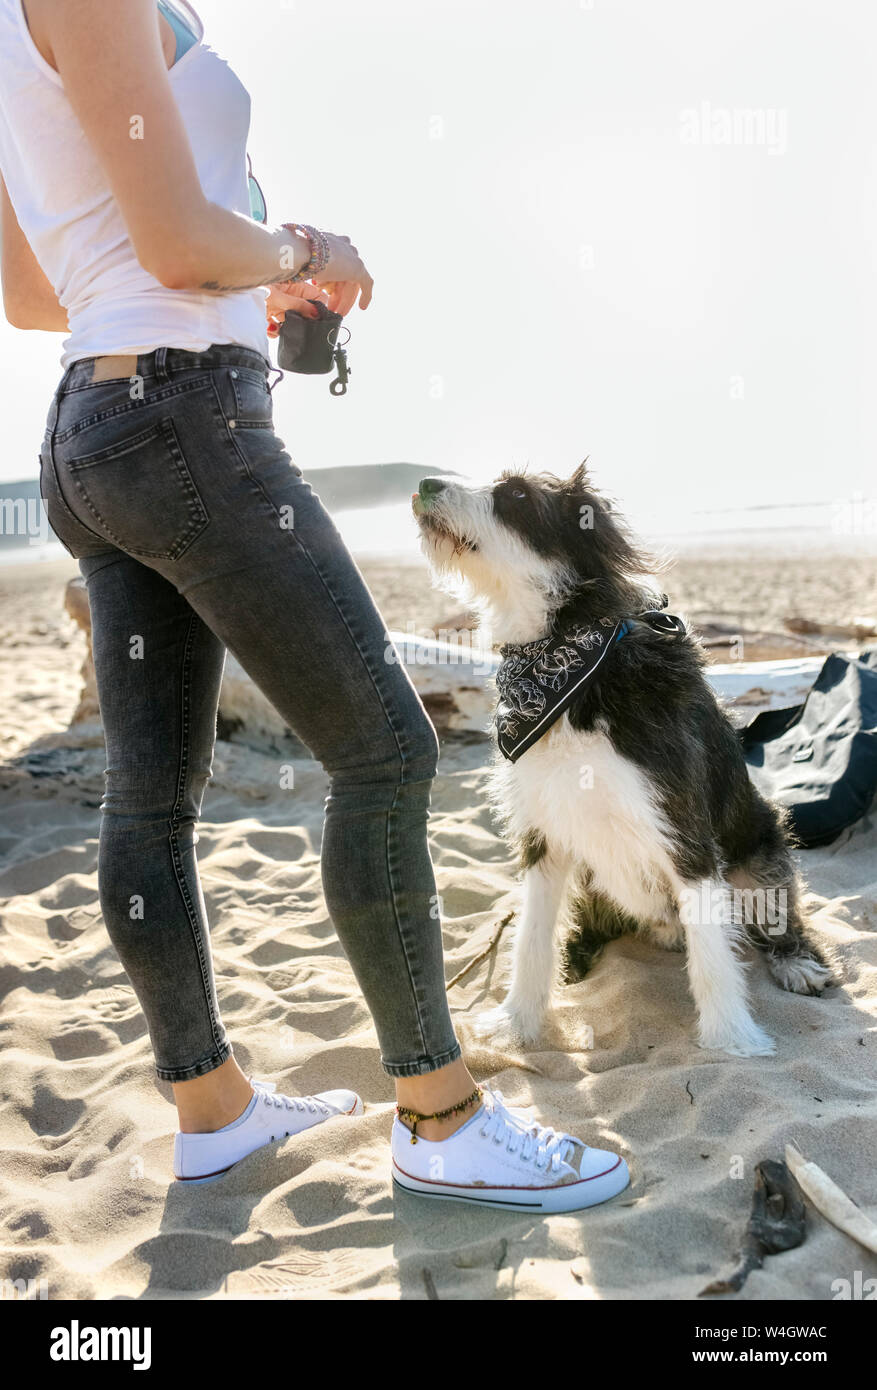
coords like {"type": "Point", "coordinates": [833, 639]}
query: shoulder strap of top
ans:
{"type": "Point", "coordinates": [184, 31]}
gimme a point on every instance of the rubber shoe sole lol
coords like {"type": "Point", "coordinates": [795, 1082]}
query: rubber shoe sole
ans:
{"type": "Point", "coordinates": [574, 1196]}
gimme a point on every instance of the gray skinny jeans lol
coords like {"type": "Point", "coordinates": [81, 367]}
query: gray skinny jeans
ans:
{"type": "Point", "coordinates": [195, 533]}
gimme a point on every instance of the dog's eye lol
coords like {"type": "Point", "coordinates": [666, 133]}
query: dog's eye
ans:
{"type": "Point", "coordinates": [519, 493]}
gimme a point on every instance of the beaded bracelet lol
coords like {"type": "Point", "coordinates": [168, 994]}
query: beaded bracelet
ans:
{"type": "Point", "coordinates": [315, 235]}
{"type": "Point", "coordinates": [318, 243]}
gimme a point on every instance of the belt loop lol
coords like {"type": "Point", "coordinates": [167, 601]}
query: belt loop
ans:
{"type": "Point", "coordinates": [161, 371]}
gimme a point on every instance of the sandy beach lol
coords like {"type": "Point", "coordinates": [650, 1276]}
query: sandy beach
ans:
{"type": "Point", "coordinates": [87, 1199]}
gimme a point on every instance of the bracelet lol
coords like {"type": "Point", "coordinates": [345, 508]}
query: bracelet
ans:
{"type": "Point", "coordinates": [318, 243]}
{"type": "Point", "coordinates": [315, 235]}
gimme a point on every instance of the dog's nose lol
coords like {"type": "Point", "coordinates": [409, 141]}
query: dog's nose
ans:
{"type": "Point", "coordinates": [429, 487]}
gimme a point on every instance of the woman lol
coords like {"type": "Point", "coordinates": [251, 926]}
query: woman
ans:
{"type": "Point", "coordinates": [126, 224]}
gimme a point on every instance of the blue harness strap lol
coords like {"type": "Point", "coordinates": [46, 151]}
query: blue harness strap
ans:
{"type": "Point", "coordinates": [667, 623]}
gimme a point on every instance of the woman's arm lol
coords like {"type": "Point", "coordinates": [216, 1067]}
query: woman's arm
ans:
{"type": "Point", "coordinates": [109, 56]}
{"type": "Point", "coordinates": [28, 299]}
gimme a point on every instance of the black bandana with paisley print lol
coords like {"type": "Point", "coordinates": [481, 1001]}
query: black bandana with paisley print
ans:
{"type": "Point", "coordinates": [537, 681]}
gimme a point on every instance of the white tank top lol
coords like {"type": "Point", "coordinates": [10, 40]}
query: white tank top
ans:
{"type": "Point", "coordinates": [67, 211]}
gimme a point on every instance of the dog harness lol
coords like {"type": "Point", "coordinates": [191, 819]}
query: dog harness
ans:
{"type": "Point", "coordinates": [537, 681]}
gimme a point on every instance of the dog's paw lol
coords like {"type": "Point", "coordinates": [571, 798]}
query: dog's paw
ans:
{"type": "Point", "coordinates": [800, 974]}
{"type": "Point", "coordinates": [742, 1041]}
{"type": "Point", "coordinates": [504, 1025]}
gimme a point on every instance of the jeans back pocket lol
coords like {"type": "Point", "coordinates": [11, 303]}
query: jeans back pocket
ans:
{"type": "Point", "coordinates": [140, 494]}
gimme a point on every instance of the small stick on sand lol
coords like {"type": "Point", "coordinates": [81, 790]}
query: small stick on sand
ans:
{"type": "Point", "coordinates": [484, 954]}
{"type": "Point", "coordinates": [777, 1223]}
{"type": "Point", "coordinates": [831, 1201]}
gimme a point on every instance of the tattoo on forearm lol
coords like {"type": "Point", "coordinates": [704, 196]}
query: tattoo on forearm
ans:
{"type": "Point", "coordinates": [214, 287]}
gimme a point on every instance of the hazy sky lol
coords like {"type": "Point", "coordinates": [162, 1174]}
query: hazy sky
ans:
{"type": "Point", "coordinates": [581, 242]}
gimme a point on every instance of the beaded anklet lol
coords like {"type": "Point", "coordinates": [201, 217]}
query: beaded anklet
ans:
{"type": "Point", "coordinates": [414, 1115]}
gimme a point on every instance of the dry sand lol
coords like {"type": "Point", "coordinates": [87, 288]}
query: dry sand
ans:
{"type": "Point", "coordinates": [755, 587]}
{"type": "Point", "coordinates": [86, 1196]}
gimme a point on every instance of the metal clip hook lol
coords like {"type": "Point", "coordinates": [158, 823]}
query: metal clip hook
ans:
{"type": "Point", "coordinates": [338, 387]}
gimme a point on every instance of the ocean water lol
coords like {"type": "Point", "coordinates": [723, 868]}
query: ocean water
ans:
{"type": "Point", "coordinates": [841, 527]}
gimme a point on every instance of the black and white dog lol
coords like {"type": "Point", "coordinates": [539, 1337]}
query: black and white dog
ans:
{"type": "Point", "coordinates": [632, 806]}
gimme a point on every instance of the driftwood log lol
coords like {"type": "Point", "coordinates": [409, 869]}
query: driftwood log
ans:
{"type": "Point", "coordinates": [76, 604]}
{"type": "Point", "coordinates": [455, 680]}
{"type": "Point", "coordinates": [831, 1201]}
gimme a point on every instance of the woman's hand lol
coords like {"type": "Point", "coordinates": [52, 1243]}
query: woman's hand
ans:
{"type": "Point", "coordinates": [291, 297]}
{"type": "Point", "coordinates": [338, 284]}
{"type": "Point", "coordinates": [344, 276]}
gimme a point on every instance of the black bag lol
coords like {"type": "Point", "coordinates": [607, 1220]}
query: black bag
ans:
{"type": "Point", "coordinates": [310, 346]}
{"type": "Point", "coordinates": [819, 759]}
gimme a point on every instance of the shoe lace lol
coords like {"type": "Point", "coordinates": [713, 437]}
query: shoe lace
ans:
{"type": "Point", "coordinates": [548, 1149]}
{"type": "Point", "coordinates": [267, 1091]}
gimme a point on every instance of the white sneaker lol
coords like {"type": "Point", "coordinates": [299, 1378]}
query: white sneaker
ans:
{"type": "Point", "coordinates": [201, 1158]}
{"type": "Point", "coordinates": [503, 1158]}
